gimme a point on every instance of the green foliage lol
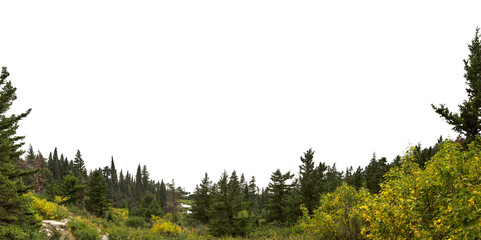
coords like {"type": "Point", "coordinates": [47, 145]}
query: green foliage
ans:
{"type": "Point", "coordinates": [468, 122]}
{"type": "Point", "coordinates": [135, 222]}
{"type": "Point", "coordinates": [15, 210]}
{"type": "Point", "coordinates": [202, 200]}
{"type": "Point", "coordinates": [82, 229]}
{"type": "Point", "coordinates": [149, 205]}
{"type": "Point", "coordinates": [20, 232]}
{"type": "Point", "coordinates": [280, 192]}
{"type": "Point", "coordinates": [70, 188]}
{"type": "Point", "coordinates": [310, 181]}
{"type": "Point", "coordinates": [440, 202]}
{"type": "Point", "coordinates": [374, 173]}
{"type": "Point", "coordinates": [228, 215]}
{"type": "Point", "coordinates": [338, 216]}
{"type": "Point", "coordinates": [97, 190]}
{"type": "Point", "coordinates": [118, 215]}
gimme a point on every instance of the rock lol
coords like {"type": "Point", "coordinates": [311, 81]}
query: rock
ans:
{"type": "Point", "coordinates": [56, 228]}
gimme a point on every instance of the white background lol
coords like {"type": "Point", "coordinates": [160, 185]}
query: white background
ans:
{"type": "Point", "coordinates": [187, 87]}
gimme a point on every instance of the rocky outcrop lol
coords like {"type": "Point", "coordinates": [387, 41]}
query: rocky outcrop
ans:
{"type": "Point", "coordinates": [56, 229]}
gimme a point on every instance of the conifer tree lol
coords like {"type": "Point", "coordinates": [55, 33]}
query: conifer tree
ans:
{"type": "Point", "coordinates": [221, 210]}
{"type": "Point", "coordinates": [138, 183]}
{"type": "Point", "coordinates": [70, 189]}
{"type": "Point", "coordinates": [202, 200]}
{"type": "Point", "coordinates": [468, 121]}
{"type": "Point", "coordinates": [30, 154]}
{"type": "Point", "coordinates": [163, 195]}
{"type": "Point", "coordinates": [79, 167]}
{"type": "Point", "coordinates": [278, 198]}
{"type": "Point", "coordinates": [97, 191]}
{"type": "Point", "coordinates": [309, 181]}
{"type": "Point", "coordinates": [145, 179]}
{"type": "Point", "coordinates": [16, 217]}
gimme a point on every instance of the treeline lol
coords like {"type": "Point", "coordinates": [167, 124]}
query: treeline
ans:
{"type": "Point", "coordinates": [235, 206]}
{"type": "Point", "coordinates": [67, 181]}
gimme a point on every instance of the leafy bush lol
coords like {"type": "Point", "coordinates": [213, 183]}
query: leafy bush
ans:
{"type": "Point", "coordinates": [338, 216]}
{"type": "Point", "coordinates": [118, 215]}
{"type": "Point", "coordinates": [46, 209]}
{"type": "Point", "coordinates": [135, 222]}
{"type": "Point", "coordinates": [441, 202]}
{"type": "Point", "coordinates": [164, 227]}
{"type": "Point", "coordinates": [49, 210]}
{"type": "Point", "coordinates": [21, 232]}
{"type": "Point", "coordinates": [82, 229]}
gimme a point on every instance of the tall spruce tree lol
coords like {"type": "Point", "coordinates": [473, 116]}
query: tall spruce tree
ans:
{"type": "Point", "coordinates": [202, 200]}
{"type": "Point", "coordinates": [79, 167]}
{"type": "Point", "coordinates": [468, 121]}
{"type": "Point", "coordinates": [309, 181]}
{"type": "Point", "coordinates": [97, 191]}
{"type": "Point", "coordinates": [16, 217]}
{"type": "Point", "coordinates": [278, 204]}
{"type": "Point", "coordinates": [70, 188]}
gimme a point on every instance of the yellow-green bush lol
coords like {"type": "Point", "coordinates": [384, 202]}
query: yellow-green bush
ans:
{"type": "Point", "coordinates": [338, 216]}
{"type": "Point", "coordinates": [48, 210]}
{"type": "Point", "coordinates": [118, 215]}
{"type": "Point", "coordinates": [441, 202]}
{"type": "Point", "coordinates": [164, 227]}
{"type": "Point", "coordinates": [44, 208]}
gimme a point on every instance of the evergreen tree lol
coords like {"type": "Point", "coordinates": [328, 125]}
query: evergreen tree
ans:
{"type": "Point", "coordinates": [149, 205]}
{"type": "Point", "coordinates": [145, 179]}
{"type": "Point", "coordinates": [221, 212]}
{"type": "Point", "coordinates": [70, 189]}
{"type": "Point", "coordinates": [30, 154]}
{"type": "Point", "coordinates": [202, 201]}
{"type": "Point", "coordinates": [55, 166]}
{"type": "Point", "coordinates": [278, 197]}
{"type": "Point", "coordinates": [79, 167]}
{"type": "Point", "coordinates": [113, 173]}
{"type": "Point", "coordinates": [333, 178]}
{"type": "Point", "coordinates": [468, 121]}
{"type": "Point", "coordinates": [138, 183]}
{"type": "Point", "coordinates": [97, 191]}
{"type": "Point", "coordinates": [163, 195]}
{"type": "Point", "coordinates": [374, 173]}
{"type": "Point", "coordinates": [16, 217]}
{"type": "Point", "coordinates": [309, 181]}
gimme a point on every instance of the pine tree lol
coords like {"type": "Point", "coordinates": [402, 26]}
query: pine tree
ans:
{"type": "Point", "coordinates": [97, 191]}
{"type": "Point", "coordinates": [221, 208]}
{"type": "Point", "coordinates": [70, 189]}
{"type": "Point", "coordinates": [202, 201]}
{"type": "Point", "coordinates": [30, 154]}
{"type": "Point", "coordinates": [468, 121]}
{"type": "Point", "coordinates": [309, 181]}
{"type": "Point", "coordinates": [278, 198]}
{"type": "Point", "coordinates": [79, 167]}
{"type": "Point", "coordinates": [163, 195]}
{"type": "Point", "coordinates": [138, 183]}
{"type": "Point", "coordinates": [145, 179]}
{"type": "Point", "coordinates": [16, 217]}
{"type": "Point", "coordinates": [374, 173]}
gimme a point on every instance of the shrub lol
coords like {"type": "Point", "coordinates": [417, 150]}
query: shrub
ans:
{"type": "Point", "coordinates": [46, 209]}
{"type": "Point", "coordinates": [135, 222]}
{"type": "Point", "coordinates": [82, 229]}
{"type": "Point", "coordinates": [440, 202]}
{"type": "Point", "coordinates": [118, 215]}
{"type": "Point", "coordinates": [164, 227]}
{"type": "Point", "coordinates": [338, 216]}
{"type": "Point", "coordinates": [49, 210]}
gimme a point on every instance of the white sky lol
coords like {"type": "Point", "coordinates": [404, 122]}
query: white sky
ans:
{"type": "Point", "coordinates": [187, 87]}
